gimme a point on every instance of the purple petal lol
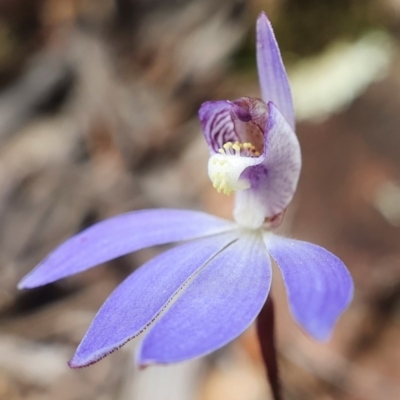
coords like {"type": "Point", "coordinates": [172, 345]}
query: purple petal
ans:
{"type": "Point", "coordinates": [274, 181]}
{"type": "Point", "coordinates": [218, 306]}
{"type": "Point", "coordinates": [121, 235]}
{"type": "Point", "coordinates": [137, 301]}
{"type": "Point", "coordinates": [217, 124]}
{"type": "Point", "coordinates": [272, 75]}
{"type": "Point", "coordinates": [318, 284]}
{"type": "Point", "coordinates": [241, 120]}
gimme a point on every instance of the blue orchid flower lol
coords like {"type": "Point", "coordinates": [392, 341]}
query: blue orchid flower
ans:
{"type": "Point", "coordinates": [200, 295]}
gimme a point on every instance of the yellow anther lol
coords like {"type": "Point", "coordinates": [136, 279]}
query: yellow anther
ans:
{"type": "Point", "coordinates": [236, 147]}
{"type": "Point", "coordinates": [227, 145]}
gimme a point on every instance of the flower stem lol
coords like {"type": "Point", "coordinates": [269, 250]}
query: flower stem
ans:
{"type": "Point", "coordinates": [265, 332]}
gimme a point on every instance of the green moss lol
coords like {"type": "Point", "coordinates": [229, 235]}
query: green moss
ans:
{"type": "Point", "coordinates": [306, 27]}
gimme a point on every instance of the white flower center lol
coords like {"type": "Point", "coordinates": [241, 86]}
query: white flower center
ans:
{"type": "Point", "coordinates": [225, 168]}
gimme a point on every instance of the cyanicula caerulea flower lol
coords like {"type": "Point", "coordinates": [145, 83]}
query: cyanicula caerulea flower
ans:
{"type": "Point", "coordinates": [202, 294]}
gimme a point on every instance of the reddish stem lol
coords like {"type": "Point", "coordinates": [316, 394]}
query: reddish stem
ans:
{"type": "Point", "coordinates": [265, 332]}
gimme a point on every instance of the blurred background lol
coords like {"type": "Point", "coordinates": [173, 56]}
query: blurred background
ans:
{"type": "Point", "coordinates": [98, 103]}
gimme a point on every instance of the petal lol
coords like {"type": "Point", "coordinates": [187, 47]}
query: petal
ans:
{"type": "Point", "coordinates": [272, 75]}
{"type": "Point", "coordinates": [137, 301]}
{"type": "Point", "coordinates": [241, 120]}
{"type": "Point", "coordinates": [217, 124]}
{"type": "Point", "coordinates": [121, 235]}
{"type": "Point", "coordinates": [318, 284]}
{"type": "Point", "coordinates": [218, 306]}
{"type": "Point", "coordinates": [273, 181]}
